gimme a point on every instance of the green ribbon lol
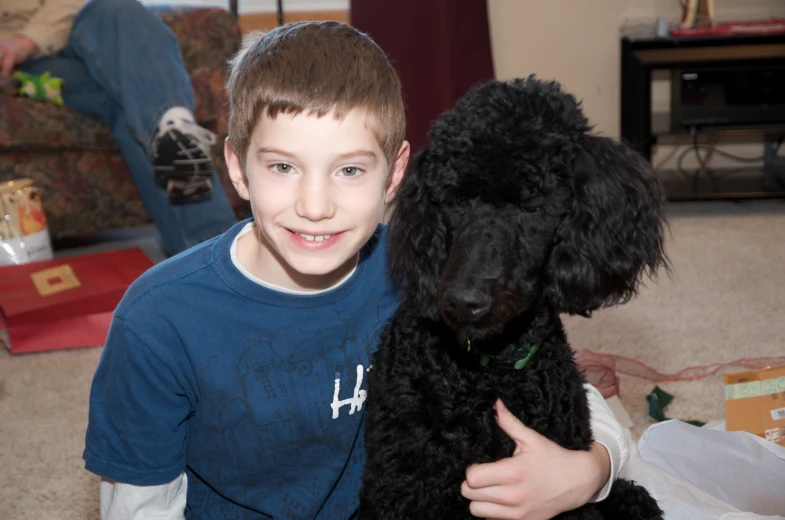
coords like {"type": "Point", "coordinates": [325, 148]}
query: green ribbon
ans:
{"type": "Point", "coordinates": [658, 400]}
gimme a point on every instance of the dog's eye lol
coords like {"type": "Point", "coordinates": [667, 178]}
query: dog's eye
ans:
{"type": "Point", "coordinates": [463, 202]}
{"type": "Point", "coordinates": [529, 209]}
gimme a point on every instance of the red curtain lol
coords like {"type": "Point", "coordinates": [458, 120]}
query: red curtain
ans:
{"type": "Point", "coordinates": [440, 48]}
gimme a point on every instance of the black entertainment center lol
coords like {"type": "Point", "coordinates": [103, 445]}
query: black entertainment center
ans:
{"type": "Point", "coordinates": [720, 85]}
{"type": "Point", "coordinates": [722, 96]}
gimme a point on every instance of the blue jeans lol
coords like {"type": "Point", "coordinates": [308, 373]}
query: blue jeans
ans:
{"type": "Point", "coordinates": [124, 66]}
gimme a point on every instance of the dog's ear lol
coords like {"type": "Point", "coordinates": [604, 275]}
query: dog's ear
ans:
{"type": "Point", "coordinates": [612, 233]}
{"type": "Point", "coordinates": [417, 239]}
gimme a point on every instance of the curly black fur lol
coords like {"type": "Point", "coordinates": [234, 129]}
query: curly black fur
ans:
{"type": "Point", "coordinates": [511, 215]}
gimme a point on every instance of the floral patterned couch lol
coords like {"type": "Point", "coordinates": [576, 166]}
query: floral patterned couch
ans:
{"type": "Point", "coordinates": [73, 159]}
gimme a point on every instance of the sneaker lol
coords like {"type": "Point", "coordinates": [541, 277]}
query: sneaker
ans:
{"type": "Point", "coordinates": [182, 161]}
{"type": "Point", "coordinates": [192, 190]}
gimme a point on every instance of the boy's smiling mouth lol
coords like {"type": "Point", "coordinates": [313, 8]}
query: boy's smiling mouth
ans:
{"type": "Point", "coordinates": [314, 240]}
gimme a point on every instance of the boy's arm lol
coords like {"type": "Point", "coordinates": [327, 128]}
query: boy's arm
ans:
{"type": "Point", "coordinates": [164, 502]}
{"type": "Point", "coordinates": [139, 405]}
{"type": "Point", "coordinates": [543, 479]}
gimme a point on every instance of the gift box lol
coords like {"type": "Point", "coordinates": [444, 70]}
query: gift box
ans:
{"type": "Point", "coordinates": [755, 403]}
{"type": "Point", "coordinates": [66, 302]}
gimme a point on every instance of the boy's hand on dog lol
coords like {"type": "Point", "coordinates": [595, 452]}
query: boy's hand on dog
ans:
{"type": "Point", "coordinates": [539, 481]}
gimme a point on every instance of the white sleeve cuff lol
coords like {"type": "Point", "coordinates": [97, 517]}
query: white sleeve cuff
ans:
{"type": "Point", "coordinates": [610, 434]}
{"type": "Point", "coordinates": [614, 454]}
{"type": "Point", "coordinates": [121, 501]}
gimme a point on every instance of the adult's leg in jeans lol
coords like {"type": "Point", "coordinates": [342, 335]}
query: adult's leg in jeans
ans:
{"type": "Point", "coordinates": [80, 91]}
{"type": "Point", "coordinates": [136, 61]}
{"type": "Point", "coordinates": [180, 226]}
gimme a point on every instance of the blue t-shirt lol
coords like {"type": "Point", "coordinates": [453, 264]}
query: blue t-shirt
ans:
{"type": "Point", "coordinates": [257, 394]}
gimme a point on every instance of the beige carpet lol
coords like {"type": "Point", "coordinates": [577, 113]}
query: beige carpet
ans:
{"type": "Point", "coordinates": [725, 301]}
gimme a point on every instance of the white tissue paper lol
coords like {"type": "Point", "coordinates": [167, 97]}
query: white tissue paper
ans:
{"type": "Point", "coordinates": [704, 474]}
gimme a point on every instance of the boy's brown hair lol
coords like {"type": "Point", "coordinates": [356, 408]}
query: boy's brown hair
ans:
{"type": "Point", "coordinates": [316, 68]}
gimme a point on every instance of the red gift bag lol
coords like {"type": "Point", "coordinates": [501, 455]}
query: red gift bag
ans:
{"type": "Point", "coordinates": [66, 302]}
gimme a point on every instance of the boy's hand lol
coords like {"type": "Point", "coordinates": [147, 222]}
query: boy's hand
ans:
{"type": "Point", "coordinates": [14, 51]}
{"type": "Point", "coordinates": [539, 481]}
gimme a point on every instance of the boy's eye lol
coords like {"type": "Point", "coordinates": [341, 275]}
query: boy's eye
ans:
{"type": "Point", "coordinates": [282, 168]}
{"type": "Point", "coordinates": [350, 171]}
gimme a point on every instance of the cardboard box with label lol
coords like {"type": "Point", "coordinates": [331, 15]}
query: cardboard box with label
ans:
{"type": "Point", "coordinates": [755, 403]}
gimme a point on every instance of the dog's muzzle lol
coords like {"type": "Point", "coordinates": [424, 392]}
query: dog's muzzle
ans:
{"type": "Point", "coordinates": [465, 305]}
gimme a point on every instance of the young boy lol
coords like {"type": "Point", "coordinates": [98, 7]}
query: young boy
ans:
{"type": "Point", "coordinates": [233, 379]}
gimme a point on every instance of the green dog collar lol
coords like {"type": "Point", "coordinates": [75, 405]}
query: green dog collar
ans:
{"type": "Point", "coordinates": [519, 359]}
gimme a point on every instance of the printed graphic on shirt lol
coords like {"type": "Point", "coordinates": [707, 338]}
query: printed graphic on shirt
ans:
{"type": "Point", "coordinates": [287, 398]}
{"type": "Point", "coordinates": [355, 402]}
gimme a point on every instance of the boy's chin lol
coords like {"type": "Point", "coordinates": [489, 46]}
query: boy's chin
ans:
{"type": "Point", "coordinates": [322, 274]}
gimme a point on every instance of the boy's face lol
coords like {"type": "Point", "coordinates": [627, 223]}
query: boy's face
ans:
{"type": "Point", "coordinates": [317, 187]}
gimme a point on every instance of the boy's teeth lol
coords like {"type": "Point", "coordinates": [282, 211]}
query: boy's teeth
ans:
{"type": "Point", "coordinates": [313, 238]}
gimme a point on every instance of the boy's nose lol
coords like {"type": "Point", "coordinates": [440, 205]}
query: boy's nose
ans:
{"type": "Point", "coordinates": [314, 201]}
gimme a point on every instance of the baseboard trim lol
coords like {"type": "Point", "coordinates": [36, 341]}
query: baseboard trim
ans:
{"type": "Point", "coordinates": [268, 20]}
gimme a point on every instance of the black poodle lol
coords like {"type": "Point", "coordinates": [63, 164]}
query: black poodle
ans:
{"type": "Point", "coordinates": [512, 214]}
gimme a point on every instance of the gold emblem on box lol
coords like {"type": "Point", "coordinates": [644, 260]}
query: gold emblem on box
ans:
{"type": "Point", "coordinates": [55, 280]}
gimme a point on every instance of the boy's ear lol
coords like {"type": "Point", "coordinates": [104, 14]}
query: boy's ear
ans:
{"type": "Point", "coordinates": [398, 169]}
{"type": "Point", "coordinates": [235, 171]}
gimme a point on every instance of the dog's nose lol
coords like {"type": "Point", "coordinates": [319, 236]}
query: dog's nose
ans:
{"type": "Point", "coordinates": [466, 304]}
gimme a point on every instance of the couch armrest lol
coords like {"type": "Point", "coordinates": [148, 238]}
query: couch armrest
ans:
{"type": "Point", "coordinates": [208, 36]}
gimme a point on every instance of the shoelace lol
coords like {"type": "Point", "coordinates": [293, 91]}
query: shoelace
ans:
{"type": "Point", "coordinates": [203, 138]}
